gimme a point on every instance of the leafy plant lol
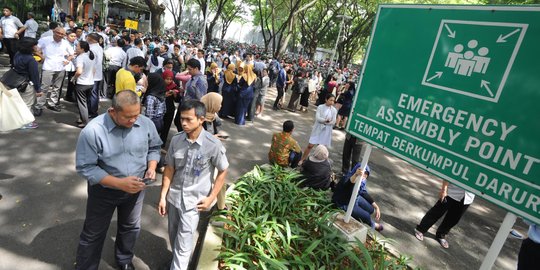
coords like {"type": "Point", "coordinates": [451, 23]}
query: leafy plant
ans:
{"type": "Point", "coordinates": [274, 224]}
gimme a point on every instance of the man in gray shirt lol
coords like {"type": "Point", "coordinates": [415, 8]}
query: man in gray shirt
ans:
{"type": "Point", "coordinates": [114, 152]}
{"type": "Point", "coordinates": [188, 182]}
{"type": "Point", "coordinates": [30, 26]}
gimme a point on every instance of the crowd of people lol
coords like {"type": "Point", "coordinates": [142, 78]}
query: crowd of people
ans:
{"type": "Point", "coordinates": [171, 80]}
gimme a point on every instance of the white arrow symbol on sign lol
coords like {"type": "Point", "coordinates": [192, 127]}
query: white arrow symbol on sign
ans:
{"type": "Point", "coordinates": [451, 34]}
{"type": "Point", "coordinates": [502, 38]}
{"type": "Point", "coordinates": [438, 74]}
{"type": "Point", "coordinates": [485, 84]}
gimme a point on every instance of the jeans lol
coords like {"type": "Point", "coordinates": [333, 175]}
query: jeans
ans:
{"type": "Point", "coordinates": [362, 210]}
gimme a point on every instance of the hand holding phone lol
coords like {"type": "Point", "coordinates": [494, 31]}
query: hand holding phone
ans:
{"type": "Point", "coordinates": [147, 181]}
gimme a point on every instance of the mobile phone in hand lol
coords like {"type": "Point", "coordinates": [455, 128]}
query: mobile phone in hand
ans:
{"type": "Point", "coordinates": [148, 181]}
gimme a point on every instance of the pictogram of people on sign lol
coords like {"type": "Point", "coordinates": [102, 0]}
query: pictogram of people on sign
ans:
{"type": "Point", "coordinates": [470, 61]}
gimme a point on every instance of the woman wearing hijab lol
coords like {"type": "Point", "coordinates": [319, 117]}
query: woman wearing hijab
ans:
{"type": "Point", "coordinates": [325, 118]}
{"type": "Point", "coordinates": [316, 170]}
{"type": "Point", "coordinates": [213, 78]}
{"type": "Point", "coordinates": [228, 90]}
{"type": "Point", "coordinates": [172, 95]}
{"type": "Point", "coordinates": [245, 93]}
{"type": "Point", "coordinates": [155, 62]}
{"type": "Point", "coordinates": [212, 103]}
{"type": "Point", "coordinates": [154, 100]}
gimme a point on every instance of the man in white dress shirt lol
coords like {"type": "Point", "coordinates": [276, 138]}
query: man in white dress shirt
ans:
{"type": "Point", "coordinates": [57, 53]}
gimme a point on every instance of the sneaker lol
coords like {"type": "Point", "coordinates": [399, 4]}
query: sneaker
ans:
{"type": "Point", "coordinates": [443, 242]}
{"type": "Point", "coordinates": [30, 126]}
{"type": "Point", "coordinates": [516, 234]}
{"type": "Point", "coordinates": [379, 227]}
{"type": "Point", "coordinates": [419, 235]}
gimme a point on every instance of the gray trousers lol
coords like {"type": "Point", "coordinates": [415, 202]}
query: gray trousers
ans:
{"type": "Point", "coordinates": [100, 207]}
{"type": "Point", "coordinates": [182, 234]}
{"type": "Point", "coordinates": [29, 96]}
{"type": "Point", "coordinates": [51, 81]}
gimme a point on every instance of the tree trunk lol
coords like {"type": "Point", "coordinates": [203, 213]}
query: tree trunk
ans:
{"type": "Point", "coordinates": [156, 10]}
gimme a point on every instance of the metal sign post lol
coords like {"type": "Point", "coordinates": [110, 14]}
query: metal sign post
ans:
{"type": "Point", "coordinates": [352, 201]}
{"type": "Point", "coordinates": [498, 242]}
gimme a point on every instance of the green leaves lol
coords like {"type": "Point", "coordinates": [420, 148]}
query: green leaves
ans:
{"type": "Point", "coordinates": [274, 224]}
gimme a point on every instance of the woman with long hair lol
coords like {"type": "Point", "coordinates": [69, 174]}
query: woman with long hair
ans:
{"type": "Point", "coordinates": [226, 63]}
{"type": "Point", "coordinates": [84, 80]}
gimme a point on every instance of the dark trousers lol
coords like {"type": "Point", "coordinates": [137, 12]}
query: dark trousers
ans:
{"type": "Point", "coordinates": [351, 154]}
{"type": "Point", "coordinates": [453, 209]}
{"type": "Point", "coordinates": [293, 101]}
{"type": "Point", "coordinates": [111, 80]}
{"type": "Point", "coordinates": [11, 48]}
{"type": "Point", "coordinates": [242, 107]}
{"type": "Point", "coordinates": [528, 255]}
{"type": "Point", "coordinates": [70, 92]}
{"type": "Point", "coordinates": [294, 159]}
{"type": "Point", "coordinates": [84, 92]}
{"type": "Point", "coordinates": [167, 120]}
{"type": "Point", "coordinates": [102, 202]}
{"type": "Point", "coordinates": [280, 93]}
{"type": "Point", "coordinates": [94, 99]}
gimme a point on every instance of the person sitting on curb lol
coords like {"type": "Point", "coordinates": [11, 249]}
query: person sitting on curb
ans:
{"type": "Point", "coordinates": [317, 169]}
{"type": "Point", "coordinates": [364, 205]}
{"type": "Point", "coordinates": [285, 150]}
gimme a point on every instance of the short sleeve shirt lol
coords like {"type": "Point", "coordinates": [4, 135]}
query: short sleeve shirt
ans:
{"type": "Point", "coordinates": [10, 25]}
{"type": "Point", "coordinates": [31, 28]}
{"type": "Point", "coordinates": [194, 164]}
{"type": "Point", "coordinates": [87, 77]}
{"type": "Point", "coordinates": [55, 53]}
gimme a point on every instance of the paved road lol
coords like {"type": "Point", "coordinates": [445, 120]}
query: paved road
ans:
{"type": "Point", "coordinates": [43, 204]}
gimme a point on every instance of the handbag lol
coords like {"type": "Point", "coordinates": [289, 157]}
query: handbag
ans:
{"type": "Point", "coordinates": [13, 111]}
{"type": "Point", "coordinates": [12, 79]}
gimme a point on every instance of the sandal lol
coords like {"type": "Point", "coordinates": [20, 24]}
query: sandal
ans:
{"type": "Point", "coordinates": [419, 235]}
{"type": "Point", "coordinates": [443, 242]}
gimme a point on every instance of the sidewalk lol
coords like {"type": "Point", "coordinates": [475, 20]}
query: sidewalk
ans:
{"type": "Point", "coordinates": [44, 200]}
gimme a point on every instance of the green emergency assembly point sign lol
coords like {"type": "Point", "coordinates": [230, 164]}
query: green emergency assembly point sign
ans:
{"type": "Point", "coordinates": [455, 90]}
